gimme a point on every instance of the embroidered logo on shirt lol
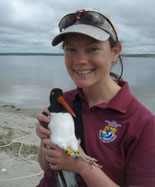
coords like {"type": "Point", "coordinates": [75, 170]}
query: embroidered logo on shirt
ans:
{"type": "Point", "coordinates": [108, 134]}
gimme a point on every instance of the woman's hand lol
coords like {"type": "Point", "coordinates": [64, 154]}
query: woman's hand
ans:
{"type": "Point", "coordinates": [58, 160]}
{"type": "Point", "coordinates": [40, 130]}
{"type": "Point", "coordinates": [43, 133]}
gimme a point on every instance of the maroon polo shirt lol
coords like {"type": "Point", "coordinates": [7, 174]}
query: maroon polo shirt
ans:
{"type": "Point", "coordinates": [120, 134]}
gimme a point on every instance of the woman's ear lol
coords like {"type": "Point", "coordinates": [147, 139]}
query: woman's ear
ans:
{"type": "Point", "coordinates": [116, 52]}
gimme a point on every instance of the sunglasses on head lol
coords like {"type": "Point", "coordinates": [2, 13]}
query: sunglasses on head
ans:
{"type": "Point", "coordinates": [90, 18]}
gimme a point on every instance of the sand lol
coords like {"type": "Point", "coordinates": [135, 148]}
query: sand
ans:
{"type": "Point", "coordinates": [18, 161]}
{"type": "Point", "coordinates": [18, 165]}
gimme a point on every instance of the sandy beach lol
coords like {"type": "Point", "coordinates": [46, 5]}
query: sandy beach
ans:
{"type": "Point", "coordinates": [18, 148]}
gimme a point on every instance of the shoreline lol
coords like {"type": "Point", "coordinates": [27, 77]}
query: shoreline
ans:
{"type": "Point", "coordinates": [17, 130]}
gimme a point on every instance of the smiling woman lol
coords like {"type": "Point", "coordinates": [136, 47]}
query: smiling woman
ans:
{"type": "Point", "coordinates": [118, 126]}
{"type": "Point", "coordinates": [89, 62]}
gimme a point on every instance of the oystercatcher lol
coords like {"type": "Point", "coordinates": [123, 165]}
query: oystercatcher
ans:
{"type": "Point", "coordinates": [63, 135]}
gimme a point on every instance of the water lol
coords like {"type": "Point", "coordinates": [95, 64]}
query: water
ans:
{"type": "Point", "coordinates": [25, 81]}
{"type": "Point", "coordinates": [139, 72]}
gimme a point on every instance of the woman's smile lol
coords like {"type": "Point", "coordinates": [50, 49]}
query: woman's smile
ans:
{"type": "Point", "coordinates": [84, 71]}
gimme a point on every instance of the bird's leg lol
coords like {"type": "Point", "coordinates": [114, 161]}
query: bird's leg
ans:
{"type": "Point", "coordinates": [85, 158]}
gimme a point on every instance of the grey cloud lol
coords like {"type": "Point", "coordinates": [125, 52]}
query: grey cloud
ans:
{"type": "Point", "coordinates": [28, 25]}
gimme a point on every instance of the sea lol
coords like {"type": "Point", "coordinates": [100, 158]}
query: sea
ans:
{"type": "Point", "coordinates": [26, 81]}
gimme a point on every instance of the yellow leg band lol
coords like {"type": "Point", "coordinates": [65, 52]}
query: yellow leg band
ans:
{"type": "Point", "coordinates": [67, 151]}
{"type": "Point", "coordinates": [77, 152]}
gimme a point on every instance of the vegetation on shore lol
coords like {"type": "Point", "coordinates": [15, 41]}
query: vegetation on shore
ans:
{"type": "Point", "coordinates": [139, 55]}
{"type": "Point", "coordinates": [61, 54]}
{"type": "Point", "coordinates": [32, 54]}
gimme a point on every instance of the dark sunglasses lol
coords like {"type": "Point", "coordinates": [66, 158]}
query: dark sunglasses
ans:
{"type": "Point", "coordinates": [90, 18]}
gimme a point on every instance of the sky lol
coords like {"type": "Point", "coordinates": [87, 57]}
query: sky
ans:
{"type": "Point", "coordinates": [30, 25]}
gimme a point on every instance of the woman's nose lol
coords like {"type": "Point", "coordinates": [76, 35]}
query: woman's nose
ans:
{"type": "Point", "coordinates": [81, 58]}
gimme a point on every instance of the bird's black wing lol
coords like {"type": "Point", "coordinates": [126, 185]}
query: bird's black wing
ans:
{"type": "Point", "coordinates": [60, 177]}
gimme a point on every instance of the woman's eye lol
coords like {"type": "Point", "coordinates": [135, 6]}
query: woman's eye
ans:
{"type": "Point", "coordinates": [70, 50]}
{"type": "Point", "coordinates": [93, 49]}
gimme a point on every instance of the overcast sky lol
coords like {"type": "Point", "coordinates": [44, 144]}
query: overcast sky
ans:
{"type": "Point", "coordinates": [30, 25]}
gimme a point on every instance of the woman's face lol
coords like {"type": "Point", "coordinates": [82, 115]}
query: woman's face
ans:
{"type": "Point", "coordinates": [88, 61]}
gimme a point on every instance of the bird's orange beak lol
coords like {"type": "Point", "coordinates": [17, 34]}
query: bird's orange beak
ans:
{"type": "Point", "coordinates": [63, 102]}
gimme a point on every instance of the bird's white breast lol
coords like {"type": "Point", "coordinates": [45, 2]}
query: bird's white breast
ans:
{"type": "Point", "coordinates": [63, 131]}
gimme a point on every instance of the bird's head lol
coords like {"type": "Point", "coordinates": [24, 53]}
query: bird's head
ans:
{"type": "Point", "coordinates": [55, 94]}
{"type": "Point", "coordinates": [56, 98]}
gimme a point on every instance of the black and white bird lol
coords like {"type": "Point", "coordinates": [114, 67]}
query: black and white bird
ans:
{"type": "Point", "coordinates": [63, 135]}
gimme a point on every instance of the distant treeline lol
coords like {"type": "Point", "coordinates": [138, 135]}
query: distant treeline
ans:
{"type": "Point", "coordinates": [61, 54]}
{"type": "Point", "coordinates": [31, 54]}
{"type": "Point", "coordinates": [138, 55]}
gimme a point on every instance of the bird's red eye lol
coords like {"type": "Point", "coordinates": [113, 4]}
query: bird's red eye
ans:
{"type": "Point", "coordinates": [53, 93]}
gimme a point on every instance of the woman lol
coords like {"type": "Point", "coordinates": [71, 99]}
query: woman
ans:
{"type": "Point", "coordinates": [118, 130]}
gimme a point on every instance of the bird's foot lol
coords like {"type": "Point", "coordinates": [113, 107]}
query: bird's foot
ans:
{"type": "Point", "coordinates": [91, 161]}
{"type": "Point", "coordinates": [85, 158]}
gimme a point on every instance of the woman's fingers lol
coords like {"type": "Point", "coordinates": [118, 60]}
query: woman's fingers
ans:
{"type": "Point", "coordinates": [46, 111]}
{"type": "Point", "coordinates": [48, 143]}
{"type": "Point", "coordinates": [42, 118]}
{"type": "Point", "coordinates": [42, 132]}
